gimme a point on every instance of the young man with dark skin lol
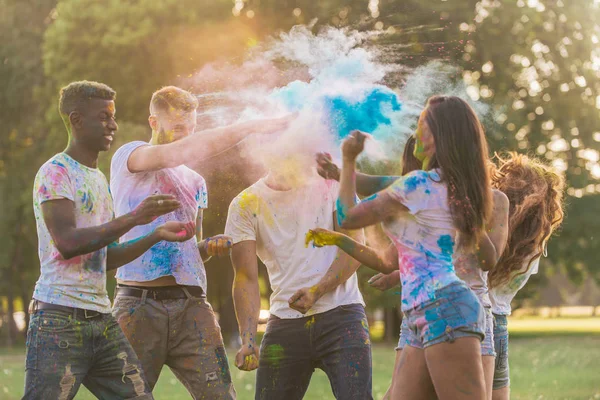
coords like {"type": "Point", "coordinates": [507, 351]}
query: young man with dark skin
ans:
{"type": "Point", "coordinates": [72, 336]}
{"type": "Point", "coordinates": [160, 300]}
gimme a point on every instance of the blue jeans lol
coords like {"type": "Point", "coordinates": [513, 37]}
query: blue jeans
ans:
{"type": "Point", "coordinates": [336, 341]}
{"type": "Point", "coordinates": [64, 352]}
{"type": "Point", "coordinates": [501, 372]}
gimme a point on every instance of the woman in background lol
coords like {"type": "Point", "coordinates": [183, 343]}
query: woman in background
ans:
{"type": "Point", "coordinates": [535, 193]}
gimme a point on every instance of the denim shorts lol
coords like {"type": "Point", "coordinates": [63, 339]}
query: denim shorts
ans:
{"type": "Point", "coordinates": [455, 312]}
{"type": "Point", "coordinates": [501, 371]}
{"type": "Point", "coordinates": [487, 344]}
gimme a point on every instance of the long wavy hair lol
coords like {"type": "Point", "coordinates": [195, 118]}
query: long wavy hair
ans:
{"type": "Point", "coordinates": [535, 192]}
{"type": "Point", "coordinates": [461, 153]}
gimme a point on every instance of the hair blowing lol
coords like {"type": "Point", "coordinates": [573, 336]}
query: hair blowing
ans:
{"type": "Point", "coordinates": [535, 192]}
{"type": "Point", "coordinates": [461, 153]}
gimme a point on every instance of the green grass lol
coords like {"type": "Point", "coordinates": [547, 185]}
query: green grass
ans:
{"type": "Point", "coordinates": [550, 361]}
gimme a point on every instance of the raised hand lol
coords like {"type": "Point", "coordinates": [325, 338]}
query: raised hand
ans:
{"type": "Point", "coordinates": [321, 237]}
{"type": "Point", "coordinates": [326, 167]}
{"type": "Point", "coordinates": [353, 145]}
{"type": "Point", "coordinates": [153, 207]}
{"type": "Point", "coordinates": [247, 357]}
{"type": "Point", "coordinates": [219, 245]}
{"type": "Point", "coordinates": [174, 231]}
{"type": "Point", "coordinates": [384, 282]}
{"type": "Point", "coordinates": [304, 299]}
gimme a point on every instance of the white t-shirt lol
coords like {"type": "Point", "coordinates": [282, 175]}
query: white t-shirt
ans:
{"type": "Point", "coordinates": [467, 269]}
{"type": "Point", "coordinates": [180, 259]}
{"type": "Point", "coordinates": [80, 281]}
{"type": "Point", "coordinates": [501, 296]}
{"type": "Point", "coordinates": [278, 221]}
{"type": "Point", "coordinates": [425, 239]}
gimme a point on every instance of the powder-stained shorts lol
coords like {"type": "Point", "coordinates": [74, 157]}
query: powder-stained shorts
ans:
{"type": "Point", "coordinates": [501, 372]}
{"type": "Point", "coordinates": [455, 313]}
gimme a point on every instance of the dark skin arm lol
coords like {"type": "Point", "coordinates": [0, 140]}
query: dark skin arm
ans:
{"type": "Point", "coordinates": [71, 241]}
{"type": "Point", "coordinates": [119, 254]}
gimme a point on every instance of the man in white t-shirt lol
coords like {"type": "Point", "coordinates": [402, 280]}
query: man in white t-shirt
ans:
{"type": "Point", "coordinates": [317, 312]}
{"type": "Point", "coordinates": [160, 300]}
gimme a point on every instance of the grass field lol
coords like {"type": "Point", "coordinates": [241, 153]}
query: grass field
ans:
{"type": "Point", "coordinates": [550, 360]}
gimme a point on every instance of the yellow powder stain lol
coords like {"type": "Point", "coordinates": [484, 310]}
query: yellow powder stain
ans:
{"type": "Point", "coordinates": [251, 203]}
{"type": "Point", "coordinates": [310, 322]}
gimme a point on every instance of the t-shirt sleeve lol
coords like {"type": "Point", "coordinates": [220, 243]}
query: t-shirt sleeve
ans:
{"type": "Point", "coordinates": [240, 221]}
{"type": "Point", "coordinates": [52, 182]}
{"type": "Point", "coordinates": [411, 190]}
{"type": "Point", "coordinates": [202, 194]}
{"type": "Point", "coordinates": [118, 164]}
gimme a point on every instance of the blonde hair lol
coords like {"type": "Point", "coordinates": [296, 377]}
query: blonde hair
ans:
{"type": "Point", "coordinates": [172, 97]}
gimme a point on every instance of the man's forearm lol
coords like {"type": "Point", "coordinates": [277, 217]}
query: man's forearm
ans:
{"type": "Point", "coordinates": [246, 300]}
{"type": "Point", "coordinates": [119, 254]}
{"type": "Point", "coordinates": [198, 146]}
{"type": "Point", "coordinates": [81, 241]}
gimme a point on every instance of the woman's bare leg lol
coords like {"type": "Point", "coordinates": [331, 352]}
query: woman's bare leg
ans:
{"type": "Point", "coordinates": [456, 369]}
{"type": "Point", "coordinates": [386, 396]}
{"type": "Point", "coordinates": [501, 394]}
{"type": "Point", "coordinates": [489, 363]}
{"type": "Point", "coordinates": [411, 378]}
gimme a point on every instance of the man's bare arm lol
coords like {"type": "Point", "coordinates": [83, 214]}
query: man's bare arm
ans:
{"type": "Point", "coordinates": [59, 216]}
{"type": "Point", "coordinates": [246, 300]}
{"type": "Point", "coordinates": [199, 146]}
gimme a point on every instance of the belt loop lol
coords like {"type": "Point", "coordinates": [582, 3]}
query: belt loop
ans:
{"type": "Point", "coordinates": [187, 292]}
{"type": "Point", "coordinates": [144, 294]}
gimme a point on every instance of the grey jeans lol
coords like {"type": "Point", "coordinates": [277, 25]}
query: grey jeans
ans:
{"type": "Point", "coordinates": [181, 333]}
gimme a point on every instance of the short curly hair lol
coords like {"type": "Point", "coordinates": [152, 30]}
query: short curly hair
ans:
{"type": "Point", "coordinates": [77, 94]}
{"type": "Point", "coordinates": [172, 97]}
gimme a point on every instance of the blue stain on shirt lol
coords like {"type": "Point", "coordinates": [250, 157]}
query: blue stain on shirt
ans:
{"type": "Point", "coordinates": [446, 245]}
{"type": "Point", "coordinates": [412, 182]}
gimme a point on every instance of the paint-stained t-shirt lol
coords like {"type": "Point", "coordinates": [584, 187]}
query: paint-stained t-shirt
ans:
{"type": "Point", "coordinates": [80, 281]}
{"type": "Point", "coordinates": [181, 260]}
{"type": "Point", "coordinates": [503, 295]}
{"type": "Point", "coordinates": [278, 221]}
{"type": "Point", "coordinates": [425, 241]}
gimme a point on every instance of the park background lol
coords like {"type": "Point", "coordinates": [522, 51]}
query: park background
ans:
{"type": "Point", "coordinates": [536, 63]}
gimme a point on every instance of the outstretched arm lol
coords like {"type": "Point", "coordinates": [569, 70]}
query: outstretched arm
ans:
{"type": "Point", "coordinates": [342, 268]}
{"type": "Point", "coordinates": [71, 241]}
{"type": "Point", "coordinates": [201, 145]}
{"type": "Point", "coordinates": [381, 261]}
{"type": "Point", "coordinates": [119, 254]}
{"type": "Point", "coordinates": [246, 300]}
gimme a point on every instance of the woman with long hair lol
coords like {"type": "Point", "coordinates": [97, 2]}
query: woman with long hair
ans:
{"type": "Point", "coordinates": [428, 214]}
{"type": "Point", "coordinates": [535, 193]}
{"type": "Point", "coordinates": [467, 266]}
